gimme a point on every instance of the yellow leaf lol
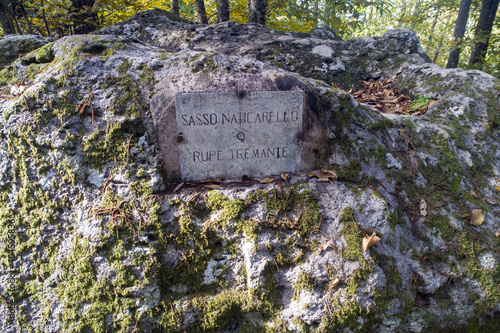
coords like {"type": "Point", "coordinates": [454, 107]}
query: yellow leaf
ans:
{"type": "Point", "coordinates": [369, 241]}
{"type": "Point", "coordinates": [323, 173]}
{"type": "Point", "coordinates": [466, 215]}
{"type": "Point", "coordinates": [267, 180]}
{"type": "Point", "coordinates": [423, 208]}
{"type": "Point", "coordinates": [477, 217]}
{"type": "Point", "coordinates": [285, 176]}
{"type": "Point", "coordinates": [497, 187]}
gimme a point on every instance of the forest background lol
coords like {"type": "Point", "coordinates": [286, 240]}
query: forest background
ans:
{"type": "Point", "coordinates": [434, 21]}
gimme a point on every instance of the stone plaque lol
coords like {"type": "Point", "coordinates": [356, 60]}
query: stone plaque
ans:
{"type": "Point", "coordinates": [227, 136]}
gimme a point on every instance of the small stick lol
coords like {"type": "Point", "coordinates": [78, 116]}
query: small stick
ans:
{"type": "Point", "coordinates": [128, 150]}
{"type": "Point", "coordinates": [6, 304]}
{"type": "Point", "coordinates": [279, 275]}
{"type": "Point", "coordinates": [173, 312]}
{"type": "Point", "coordinates": [472, 245]}
{"type": "Point", "coordinates": [326, 190]}
{"type": "Point", "coordinates": [50, 306]}
{"type": "Point", "coordinates": [106, 183]}
{"type": "Point", "coordinates": [26, 102]}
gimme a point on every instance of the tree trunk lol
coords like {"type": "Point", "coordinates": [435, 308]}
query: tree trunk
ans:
{"type": "Point", "coordinates": [84, 20]}
{"type": "Point", "coordinates": [483, 31]}
{"type": "Point", "coordinates": [223, 10]}
{"type": "Point", "coordinates": [202, 13]}
{"type": "Point", "coordinates": [257, 11]}
{"type": "Point", "coordinates": [175, 7]}
{"type": "Point", "coordinates": [5, 19]}
{"type": "Point", "coordinates": [434, 22]}
{"type": "Point", "coordinates": [45, 19]}
{"type": "Point", "coordinates": [463, 15]}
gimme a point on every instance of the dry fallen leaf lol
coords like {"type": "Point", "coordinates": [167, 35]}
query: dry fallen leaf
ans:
{"type": "Point", "coordinates": [323, 180]}
{"type": "Point", "coordinates": [466, 215]}
{"type": "Point", "coordinates": [477, 217]}
{"type": "Point", "coordinates": [335, 282]}
{"type": "Point", "coordinates": [473, 194]}
{"type": "Point", "coordinates": [285, 176]}
{"type": "Point", "coordinates": [212, 186]}
{"type": "Point", "coordinates": [267, 180]}
{"type": "Point", "coordinates": [497, 233]}
{"type": "Point", "coordinates": [323, 174]}
{"type": "Point", "coordinates": [491, 201]}
{"type": "Point", "coordinates": [423, 208]}
{"type": "Point", "coordinates": [178, 187]}
{"type": "Point", "coordinates": [498, 188]}
{"type": "Point", "coordinates": [208, 181]}
{"type": "Point", "coordinates": [369, 241]}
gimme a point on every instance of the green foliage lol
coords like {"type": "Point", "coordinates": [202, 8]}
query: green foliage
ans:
{"type": "Point", "coordinates": [420, 102]}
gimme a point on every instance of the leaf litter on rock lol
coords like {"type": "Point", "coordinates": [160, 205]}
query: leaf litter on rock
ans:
{"type": "Point", "coordinates": [385, 98]}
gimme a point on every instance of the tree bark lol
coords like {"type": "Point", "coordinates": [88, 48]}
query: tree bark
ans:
{"type": "Point", "coordinates": [483, 31]}
{"type": "Point", "coordinates": [463, 15]}
{"type": "Point", "coordinates": [223, 10]}
{"type": "Point", "coordinates": [84, 20]}
{"type": "Point", "coordinates": [257, 11]}
{"type": "Point", "coordinates": [202, 13]}
{"type": "Point", "coordinates": [45, 18]}
{"type": "Point", "coordinates": [175, 7]}
{"type": "Point", "coordinates": [5, 19]}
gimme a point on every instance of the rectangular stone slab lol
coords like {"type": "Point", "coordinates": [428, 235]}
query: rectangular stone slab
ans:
{"type": "Point", "coordinates": [226, 136]}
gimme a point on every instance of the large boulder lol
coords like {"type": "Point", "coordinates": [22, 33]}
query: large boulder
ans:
{"type": "Point", "coordinates": [98, 234]}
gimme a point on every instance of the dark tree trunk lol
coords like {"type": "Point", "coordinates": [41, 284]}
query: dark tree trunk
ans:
{"type": "Point", "coordinates": [84, 20]}
{"type": "Point", "coordinates": [257, 11]}
{"type": "Point", "coordinates": [463, 15]}
{"type": "Point", "coordinates": [45, 19]}
{"type": "Point", "coordinates": [175, 7]}
{"type": "Point", "coordinates": [5, 19]}
{"type": "Point", "coordinates": [223, 10]}
{"type": "Point", "coordinates": [202, 13]}
{"type": "Point", "coordinates": [483, 31]}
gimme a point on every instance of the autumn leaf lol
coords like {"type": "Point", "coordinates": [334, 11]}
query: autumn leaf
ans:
{"type": "Point", "coordinates": [477, 217]}
{"type": "Point", "coordinates": [423, 208]}
{"type": "Point", "coordinates": [369, 241]}
{"type": "Point", "coordinates": [285, 176]}
{"type": "Point", "coordinates": [212, 186]}
{"type": "Point", "coordinates": [267, 180]}
{"type": "Point", "coordinates": [323, 175]}
{"type": "Point", "coordinates": [466, 215]}
{"type": "Point", "coordinates": [473, 194]}
{"type": "Point", "coordinates": [497, 187]}
{"type": "Point", "coordinates": [497, 233]}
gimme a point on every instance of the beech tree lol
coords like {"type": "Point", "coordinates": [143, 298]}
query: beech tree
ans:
{"type": "Point", "coordinates": [175, 7]}
{"type": "Point", "coordinates": [257, 11]}
{"type": "Point", "coordinates": [223, 9]}
{"type": "Point", "coordinates": [463, 15]}
{"type": "Point", "coordinates": [202, 13]}
{"type": "Point", "coordinates": [483, 31]}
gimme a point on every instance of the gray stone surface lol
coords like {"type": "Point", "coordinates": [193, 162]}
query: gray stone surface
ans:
{"type": "Point", "coordinates": [228, 136]}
